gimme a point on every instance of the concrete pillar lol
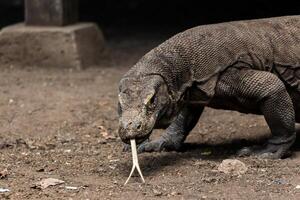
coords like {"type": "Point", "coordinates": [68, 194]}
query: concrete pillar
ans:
{"type": "Point", "coordinates": [51, 12]}
{"type": "Point", "coordinates": [51, 37]}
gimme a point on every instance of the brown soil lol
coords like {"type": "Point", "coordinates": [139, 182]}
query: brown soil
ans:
{"type": "Point", "coordinates": [52, 126]}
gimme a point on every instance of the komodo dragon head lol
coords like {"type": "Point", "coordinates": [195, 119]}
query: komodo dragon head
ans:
{"type": "Point", "coordinates": [142, 102]}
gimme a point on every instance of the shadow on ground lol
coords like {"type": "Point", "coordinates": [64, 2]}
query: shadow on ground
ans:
{"type": "Point", "coordinates": [154, 163]}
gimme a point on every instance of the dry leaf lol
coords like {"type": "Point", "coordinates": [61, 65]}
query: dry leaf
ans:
{"type": "Point", "coordinates": [48, 182]}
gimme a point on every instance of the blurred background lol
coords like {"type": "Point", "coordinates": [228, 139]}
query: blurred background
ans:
{"type": "Point", "coordinates": [168, 16]}
{"type": "Point", "coordinates": [60, 122]}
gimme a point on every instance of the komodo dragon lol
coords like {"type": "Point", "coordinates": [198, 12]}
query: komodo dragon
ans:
{"type": "Point", "coordinates": [248, 66]}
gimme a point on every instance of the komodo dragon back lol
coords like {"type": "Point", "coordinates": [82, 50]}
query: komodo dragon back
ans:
{"type": "Point", "coordinates": [198, 55]}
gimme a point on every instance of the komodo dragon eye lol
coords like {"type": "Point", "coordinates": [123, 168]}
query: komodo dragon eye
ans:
{"type": "Point", "coordinates": [150, 101]}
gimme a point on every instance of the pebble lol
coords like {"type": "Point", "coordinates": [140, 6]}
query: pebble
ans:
{"type": "Point", "coordinates": [232, 166]}
{"type": "Point", "coordinates": [2, 190]}
{"type": "Point", "coordinates": [71, 188]}
{"type": "Point", "coordinates": [157, 193]}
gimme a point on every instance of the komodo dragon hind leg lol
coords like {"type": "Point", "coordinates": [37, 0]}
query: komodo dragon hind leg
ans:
{"type": "Point", "coordinates": [176, 133]}
{"type": "Point", "coordinates": [278, 111]}
{"type": "Point", "coordinates": [268, 93]}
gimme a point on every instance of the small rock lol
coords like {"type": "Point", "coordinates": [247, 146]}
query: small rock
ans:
{"type": "Point", "coordinates": [198, 163]}
{"type": "Point", "coordinates": [114, 160]}
{"type": "Point", "coordinates": [71, 188]}
{"type": "Point", "coordinates": [280, 181]}
{"type": "Point", "coordinates": [232, 166]}
{"type": "Point", "coordinates": [2, 190]}
{"type": "Point", "coordinates": [67, 150]}
{"type": "Point", "coordinates": [174, 193]}
{"type": "Point", "coordinates": [3, 173]}
{"type": "Point", "coordinates": [206, 152]}
{"type": "Point", "coordinates": [112, 167]}
{"type": "Point", "coordinates": [30, 144]}
{"type": "Point", "coordinates": [103, 103]}
{"type": "Point", "coordinates": [297, 187]}
{"type": "Point", "coordinates": [40, 170]}
{"type": "Point", "coordinates": [6, 144]}
{"type": "Point", "coordinates": [48, 182]}
{"type": "Point", "coordinates": [157, 193]}
{"type": "Point", "coordinates": [100, 169]}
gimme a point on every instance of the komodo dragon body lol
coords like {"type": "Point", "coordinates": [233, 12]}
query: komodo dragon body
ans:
{"type": "Point", "coordinates": [249, 66]}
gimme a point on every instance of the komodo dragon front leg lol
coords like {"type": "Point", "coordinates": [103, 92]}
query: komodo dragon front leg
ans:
{"type": "Point", "coordinates": [176, 133]}
{"type": "Point", "coordinates": [260, 92]}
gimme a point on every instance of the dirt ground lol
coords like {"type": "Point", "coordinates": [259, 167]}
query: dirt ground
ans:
{"type": "Point", "coordinates": [62, 123]}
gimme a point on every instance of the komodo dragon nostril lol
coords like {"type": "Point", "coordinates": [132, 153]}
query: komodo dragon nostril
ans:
{"type": "Point", "coordinates": [139, 126]}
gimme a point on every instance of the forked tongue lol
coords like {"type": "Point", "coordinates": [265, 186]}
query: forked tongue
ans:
{"type": "Point", "coordinates": [135, 162]}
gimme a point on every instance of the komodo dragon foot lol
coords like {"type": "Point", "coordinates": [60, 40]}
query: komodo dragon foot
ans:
{"type": "Point", "coordinates": [267, 151]}
{"type": "Point", "coordinates": [157, 145]}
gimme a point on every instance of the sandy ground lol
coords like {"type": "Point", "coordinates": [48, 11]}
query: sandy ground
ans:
{"type": "Point", "coordinates": [62, 123]}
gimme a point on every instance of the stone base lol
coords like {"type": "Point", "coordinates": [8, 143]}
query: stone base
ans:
{"type": "Point", "coordinates": [76, 46]}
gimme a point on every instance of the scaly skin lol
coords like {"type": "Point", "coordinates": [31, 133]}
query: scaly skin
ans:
{"type": "Point", "coordinates": [247, 66]}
